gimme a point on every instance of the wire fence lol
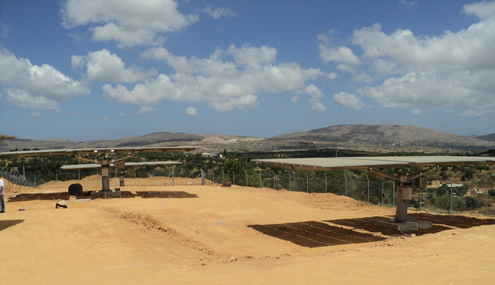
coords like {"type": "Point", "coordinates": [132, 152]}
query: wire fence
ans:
{"type": "Point", "coordinates": [16, 178]}
{"type": "Point", "coordinates": [361, 186]}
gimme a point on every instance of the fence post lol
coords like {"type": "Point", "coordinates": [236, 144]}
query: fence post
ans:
{"type": "Point", "coordinates": [307, 182]}
{"type": "Point", "coordinates": [345, 184]}
{"type": "Point", "coordinates": [290, 181]}
{"type": "Point", "coordinates": [451, 196]}
{"type": "Point", "coordinates": [274, 181]}
{"type": "Point", "coordinates": [247, 178]}
{"type": "Point", "coordinates": [486, 199]}
{"type": "Point", "coordinates": [259, 174]}
{"type": "Point", "coordinates": [324, 173]}
{"type": "Point", "coordinates": [368, 187]}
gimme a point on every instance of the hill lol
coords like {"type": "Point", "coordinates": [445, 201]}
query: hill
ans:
{"type": "Point", "coordinates": [362, 137]}
{"type": "Point", "coordinates": [392, 135]}
{"type": "Point", "coordinates": [490, 137]}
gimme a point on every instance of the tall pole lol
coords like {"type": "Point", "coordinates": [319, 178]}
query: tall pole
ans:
{"type": "Point", "coordinates": [368, 188]}
{"type": "Point", "coordinates": [451, 196]}
{"type": "Point", "coordinates": [486, 199]}
{"type": "Point", "coordinates": [307, 182]}
{"type": "Point", "coordinates": [324, 173]}
{"type": "Point", "coordinates": [274, 186]}
{"type": "Point", "coordinates": [345, 184]}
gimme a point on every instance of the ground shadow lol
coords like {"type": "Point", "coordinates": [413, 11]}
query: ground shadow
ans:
{"type": "Point", "coordinates": [455, 221]}
{"type": "Point", "coordinates": [367, 224]}
{"type": "Point", "coordinates": [9, 223]}
{"type": "Point", "coordinates": [315, 234]}
{"type": "Point", "coordinates": [151, 194]}
{"type": "Point", "coordinates": [39, 196]}
{"type": "Point", "coordinates": [165, 194]}
{"type": "Point", "coordinates": [439, 223]}
{"type": "Point", "coordinates": [88, 195]}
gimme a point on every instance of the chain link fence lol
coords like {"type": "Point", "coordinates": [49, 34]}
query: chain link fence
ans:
{"type": "Point", "coordinates": [16, 178]}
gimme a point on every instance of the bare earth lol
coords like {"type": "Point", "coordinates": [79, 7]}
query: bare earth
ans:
{"type": "Point", "coordinates": [193, 234]}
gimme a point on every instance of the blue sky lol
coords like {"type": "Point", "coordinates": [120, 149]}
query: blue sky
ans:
{"type": "Point", "coordinates": [88, 70]}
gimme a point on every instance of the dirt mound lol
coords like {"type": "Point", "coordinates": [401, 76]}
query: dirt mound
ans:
{"type": "Point", "coordinates": [11, 188]}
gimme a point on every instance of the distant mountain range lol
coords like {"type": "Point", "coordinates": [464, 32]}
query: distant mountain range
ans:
{"type": "Point", "coordinates": [348, 135]}
{"type": "Point", "coordinates": [388, 135]}
{"type": "Point", "coordinates": [490, 137]}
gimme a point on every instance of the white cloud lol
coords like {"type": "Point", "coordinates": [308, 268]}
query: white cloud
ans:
{"type": "Point", "coordinates": [416, 112]}
{"type": "Point", "coordinates": [332, 75]}
{"type": "Point", "coordinates": [338, 54]}
{"type": "Point", "coordinates": [316, 95]}
{"type": "Point", "coordinates": [4, 30]}
{"type": "Point", "coordinates": [105, 119]}
{"type": "Point", "coordinates": [128, 22]}
{"type": "Point", "coordinates": [191, 111]}
{"type": "Point", "coordinates": [33, 86]}
{"type": "Point", "coordinates": [404, 70]}
{"type": "Point", "coordinates": [482, 10]}
{"type": "Point", "coordinates": [450, 51]}
{"type": "Point", "coordinates": [228, 79]}
{"type": "Point", "coordinates": [219, 12]}
{"type": "Point", "coordinates": [36, 114]}
{"type": "Point", "coordinates": [465, 90]}
{"type": "Point", "coordinates": [105, 66]}
{"type": "Point", "coordinates": [408, 3]}
{"type": "Point", "coordinates": [146, 109]}
{"type": "Point", "coordinates": [349, 100]}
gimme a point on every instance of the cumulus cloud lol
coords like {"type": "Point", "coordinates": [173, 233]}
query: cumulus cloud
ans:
{"type": "Point", "coordinates": [482, 10]}
{"type": "Point", "coordinates": [128, 22]}
{"type": "Point", "coordinates": [408, 3]}
{"type": "Point", "coordinates": [219, 12]}
{"type": "Point", "coordinates": [416, 112]}
{"type": "Point", "coordinates": [406, 70]}
{"type": "Point", "coordinates": [349, 100]}
{"type": "Point", "coordinates": [338, 54]}
{"type": "Point", "coordinates": [332, 75]}
{"type": "Point", "coordinates": [105, 66]}
{"type": "Point", "coordinates": [228, 79]}
{"type": "Point", "coordinates": [33, 86]}
{"type": "Point", "coordinates": [191, 111]}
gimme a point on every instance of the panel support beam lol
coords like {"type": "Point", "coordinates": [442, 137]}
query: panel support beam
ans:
{"type": "Point", "coordinates": [403, 184]}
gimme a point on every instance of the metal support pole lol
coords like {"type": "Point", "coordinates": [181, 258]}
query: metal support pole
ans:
{"type": "Point", "coordinates": [382, 196]}
{"type": "Point", "coordinates": [247, 178]}
{"type": "Point", "coordinates": [290, 181]}
{"type": "Point", "coordinates": [394, 186]}
{"type": "Point", "coordinates": [451, 196]}
{"type": "Point", "coordinates": [486, 198]}
{"type": "Point", "coordinates": [420, 199]}
{"type": "Point", "coordinates": [368, 188]}
{"type": "Point", "coordinates": [259, 174]}
{"type": "Point", "coordinates": [325, 174]}
{"type": "Point", "coordinates": [274, 180]}
{"type": "Point", "coordinates": [233, 177]}
{"type": "Point", "coordinates": [307, 182]}
{"type": "Point", "coordinates": [345, 184]}
{"type": "Point", "coordinates": [401, 210]}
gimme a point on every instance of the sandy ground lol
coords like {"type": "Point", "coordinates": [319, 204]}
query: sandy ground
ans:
{"type": "Point", "coordinates": [193, 234]}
